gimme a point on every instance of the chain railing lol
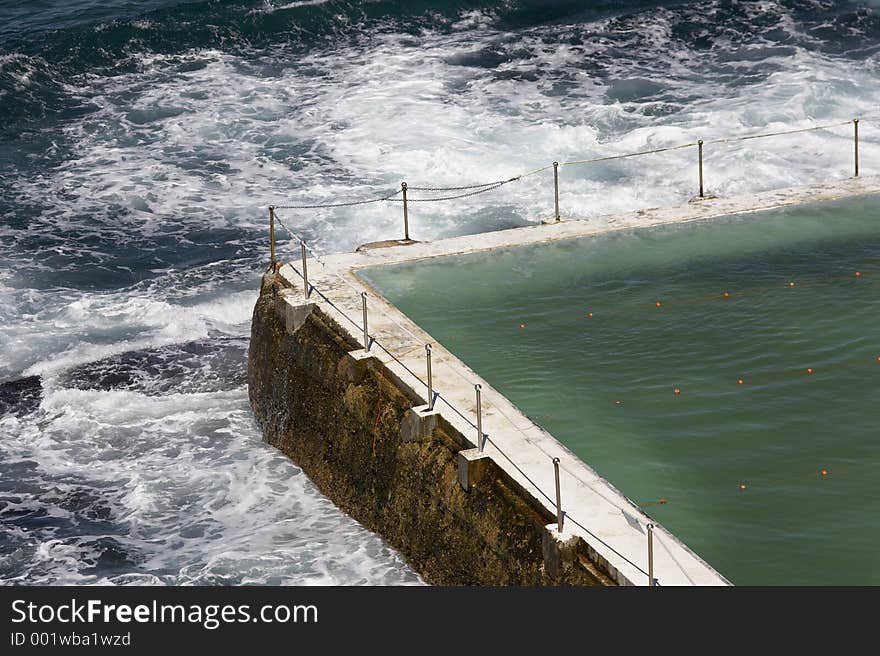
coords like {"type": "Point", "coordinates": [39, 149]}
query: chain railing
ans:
{"type": "Point", "coordinates": [457, 192]}
{"type": "Point", "coordinates": [451, 192]}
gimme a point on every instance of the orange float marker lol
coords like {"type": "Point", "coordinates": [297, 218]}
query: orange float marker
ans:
{"type": "Point", "coordinates": [809, 370]}
{"type": "Point", "coordinates": [590, 315]}
{"type": "Point", "coordinates": [824, 472]}
{"type": "Point", "coordinates": [522, 325]}
{"type": "Point", "coordinates": [742, 486]}
{"type": "Point", "coordinates": [662, 500]}
{"type": "Point", "coordinates": [726, 295]}
{"type": "Point", "coordinates": [858, 274]}
{"type": "Point", "coordinates": [658, 304]}
{"type": "Point", "coordinates": [618, 402]}
{"type": "Point", "coordinates": [791, 284]}
{"type": "Point", "coordinates": [676, 391]}
{"type": "Point", "coordinates": [739, 381]}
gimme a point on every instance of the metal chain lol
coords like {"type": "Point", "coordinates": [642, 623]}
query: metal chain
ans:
{"type": "Point", "coordinates": [442, 198]}
{"type": "Point", "coordinates": [348, 204]}
{"type": "Point", "coordinates": [712, 141]}
{"type": "Point", "coordinates": [491, 186]}
{"type": "Point", "coordinates": [318, 257]}
{"type": "Point", "coordinates": [480, 189]}
{"type": "Point", "coordinates": [658, 535]}
{"type": "Point", "coordinates": [462, 188]}
{"type": "Point", "coordinates": [641, 152]}
{"type": "Point", "coordinates": [776, 134]}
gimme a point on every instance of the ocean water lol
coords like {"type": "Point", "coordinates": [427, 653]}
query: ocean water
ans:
{"type": "Point", "coordinates": [765, 459]}
{"type": "Point", "coordinates": [141, 142]}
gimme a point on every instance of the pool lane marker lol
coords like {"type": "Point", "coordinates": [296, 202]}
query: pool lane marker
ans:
{"type": "Point", "coordinates": [779, 375]}
{"type": "Point", "coordinates": [727, 295]}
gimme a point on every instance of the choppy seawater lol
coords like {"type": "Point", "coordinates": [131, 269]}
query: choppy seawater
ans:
{"type": "Point", "coordinates": [140, 143]}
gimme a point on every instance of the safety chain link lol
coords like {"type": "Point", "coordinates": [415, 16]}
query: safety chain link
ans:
{"type": "Point", "coordinates": [483, 187]}
{"type": "Point", "coordinates": [442, 198]}
{"type": "Point", "coordinates": [348, 204]}
{"type": "Point", "coordinates": [497, 183]}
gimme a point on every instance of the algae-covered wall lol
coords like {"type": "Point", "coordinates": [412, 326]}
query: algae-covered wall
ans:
{"type": "Point", "coordinates": [343, 419]}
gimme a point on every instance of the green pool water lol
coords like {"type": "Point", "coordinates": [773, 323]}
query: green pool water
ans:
{"type": "Point", "coordinates": [604, 385]}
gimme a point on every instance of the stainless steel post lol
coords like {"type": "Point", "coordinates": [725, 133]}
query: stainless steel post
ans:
{"type": "Point", "coordinates": [700, 156]}
{"type": "Point", "coordinates": [430, 378]}
{"type": "Point", "coordinates": [856, 143]}
{"type": "Point", "coordinates": [405, 213]}
{"type": "Point", "coordinates": [272, 235]}
{"type": "Point", "coordinates": [302, 245]}
{"type": "Point", "coordinates": [559, 516]}
{"type": "Point", "coordinates": [556, 187]}
{"type": "Point", "coordinates": [366, 334]}
{"type": "Point", "coordinates": [650, 528]}
{"type": "Point", "coordinates": [477, 389]}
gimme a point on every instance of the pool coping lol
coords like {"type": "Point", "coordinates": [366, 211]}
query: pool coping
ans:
{"type": "Point", "coordinates": [588, 498]}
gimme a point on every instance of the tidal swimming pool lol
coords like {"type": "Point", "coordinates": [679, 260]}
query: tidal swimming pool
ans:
{"type": "Point", "coordinates": [722, 374]}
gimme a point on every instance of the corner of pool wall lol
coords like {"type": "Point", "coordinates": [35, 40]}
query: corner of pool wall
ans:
{"type": "Point", "coordinates": [349, 404]}
{"type": "Point", "coordinates": [371, 443]}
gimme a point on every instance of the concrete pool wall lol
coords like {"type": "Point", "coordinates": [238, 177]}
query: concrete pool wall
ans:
{"type": "Point", "coordinates": [345, 416]}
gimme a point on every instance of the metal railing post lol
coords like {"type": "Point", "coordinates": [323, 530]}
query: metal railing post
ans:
{"type": "Point", "coordinates": [272, 235]}
{"type": "Point", "coordinates": [366, 334]}
{"type": "Point", "coordinates": [650, 528]}
{"type": "Point", "coordinates": [556, 187]}
{"type": "Point", "coordinates": [430, 378]}
{"type": "Point", "coordinates": [559, 516]}
{"type": "Point", "coordinates": [302, 245]}
{"type": "Point", "coordinates": [405, 213]}
{"type": "Point", "coordinates": [477, 389]}
{"type": "Point", "coordinates": [856, 143]}
{"type": "Point", "coordinates": [700, 157]}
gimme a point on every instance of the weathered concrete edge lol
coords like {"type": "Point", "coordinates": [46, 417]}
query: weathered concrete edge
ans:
{"type": "Point", "coordinates": [290, 336]}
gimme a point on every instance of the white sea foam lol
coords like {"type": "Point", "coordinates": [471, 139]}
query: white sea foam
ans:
{"type": "Point", "coordinates": [215, 144]}
{"type": "Point", "coordinates": [301, 3]}
{"type": "Point", "coordinates": [178, 490]}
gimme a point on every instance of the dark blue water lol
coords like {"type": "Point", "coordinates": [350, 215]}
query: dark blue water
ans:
{"type": "Point", "coordinates": [140, 143]}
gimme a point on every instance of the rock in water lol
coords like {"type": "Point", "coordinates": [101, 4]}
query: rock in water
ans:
{"type": "Point", "coordinates": [20, 396]}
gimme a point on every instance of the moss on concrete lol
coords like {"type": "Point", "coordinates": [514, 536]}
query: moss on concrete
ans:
{"type": "Point", "coordinates": [340, 419]}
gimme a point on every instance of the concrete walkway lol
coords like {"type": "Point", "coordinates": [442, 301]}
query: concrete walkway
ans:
{"type": "Point", "coordinates": [586, 497]}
